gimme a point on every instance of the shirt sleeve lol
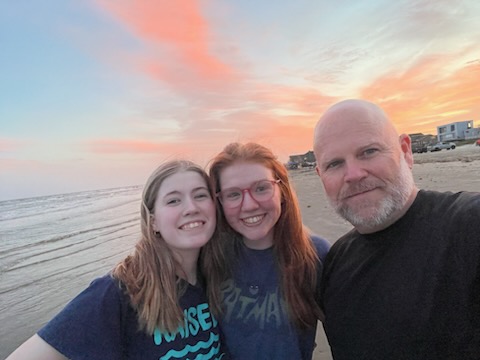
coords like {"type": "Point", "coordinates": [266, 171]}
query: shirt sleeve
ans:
{"type": "Point", "coordinates": [91, 325]}
{"type": "Point", "coordinates": [322, 246]}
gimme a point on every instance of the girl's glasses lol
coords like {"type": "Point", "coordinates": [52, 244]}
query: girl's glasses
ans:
{"type": "Point", "coordinates": [260, 191]}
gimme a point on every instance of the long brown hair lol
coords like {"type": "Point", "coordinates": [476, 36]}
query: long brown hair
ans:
{"type": "Point", "coordinates": [149, 273]}
{"type": "Point", "coordinates": [296, 256]}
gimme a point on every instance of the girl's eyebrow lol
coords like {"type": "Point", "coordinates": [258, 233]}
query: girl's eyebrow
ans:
{"type": "Point", "coordinates": [179, 192]}
{"type": "Point", "coordinates": [253, 182]}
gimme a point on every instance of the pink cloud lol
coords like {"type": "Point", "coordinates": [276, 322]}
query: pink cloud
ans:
{"type": "Point", "coordinates": [21, 165]}
{"type": "Point", "coordinates": [10, 145]}
{"type": "Point", "coordinates": [117, 146]}
{"type": "Point", "coordinates": [182, 40]}
{"type": "Point", "coordinates": [195, 148]}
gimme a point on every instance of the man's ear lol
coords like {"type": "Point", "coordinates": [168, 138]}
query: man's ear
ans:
{"type": "Point", "coordinates": [406, 146]}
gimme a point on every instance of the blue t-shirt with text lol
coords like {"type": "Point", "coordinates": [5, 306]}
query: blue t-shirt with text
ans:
{"type": "Point", "coordinates": [255, 322]}
{"type": "Point", "coordinates": [100, 324]}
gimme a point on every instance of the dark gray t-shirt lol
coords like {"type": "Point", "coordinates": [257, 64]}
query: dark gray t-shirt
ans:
{"type": "Point", "coordinates": [411, 291]}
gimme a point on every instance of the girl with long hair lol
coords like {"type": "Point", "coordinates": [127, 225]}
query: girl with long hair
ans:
{"type": "Point", "coordinates": [153, 304]}
{"type": "Point", "coordinates": [263, 276]}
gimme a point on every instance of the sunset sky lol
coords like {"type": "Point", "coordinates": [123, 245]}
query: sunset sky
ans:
{"type": "Point", "coordinates": [96, 94]}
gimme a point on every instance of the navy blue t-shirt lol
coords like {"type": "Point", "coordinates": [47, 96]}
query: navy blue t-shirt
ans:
{"type": "Point", "coordinates": [255, 322]}
{"type": "Point", "coordinates": [100, 324]}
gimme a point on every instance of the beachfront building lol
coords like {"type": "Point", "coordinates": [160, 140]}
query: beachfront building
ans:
{"type": "Point", "coordinates": [421, 141]}
{"type": "Point", "coordinates": [473, 133]}
{"type": "Point", "coordinates": [459, 130]}
{"type": "Point", "coordinates": [302, 160]}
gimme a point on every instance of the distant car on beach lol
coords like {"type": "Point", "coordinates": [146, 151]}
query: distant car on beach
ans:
{"type": "Point", "coordinates": [292, 165]}
{"type": "Point", "coordinates": [441, 145]}
{"type": "Point", "coordinates": [419, 148]}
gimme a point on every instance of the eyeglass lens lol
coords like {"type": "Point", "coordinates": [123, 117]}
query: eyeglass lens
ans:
{"type": "Point", "coordinates": [260, 191]}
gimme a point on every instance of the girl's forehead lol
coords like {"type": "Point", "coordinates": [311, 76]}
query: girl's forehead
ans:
{"type": "Point", "coordinates": [181, 181]}
{"type": "Point", "coordinates": [244, 173]}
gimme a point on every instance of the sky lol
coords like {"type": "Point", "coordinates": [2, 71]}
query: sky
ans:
{"type": "Point", "coordinates": [96, 94]}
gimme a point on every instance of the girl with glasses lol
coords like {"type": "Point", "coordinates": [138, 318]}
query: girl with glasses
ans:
{"type": "Point", "coordinates": [263, 275]}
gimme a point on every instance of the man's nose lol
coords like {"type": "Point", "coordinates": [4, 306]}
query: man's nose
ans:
{"type": "Point", "coordinates": [354, 171]}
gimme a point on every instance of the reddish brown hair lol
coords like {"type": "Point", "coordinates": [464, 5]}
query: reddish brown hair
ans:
{"type": "Point", "coordinates": [295, 254]}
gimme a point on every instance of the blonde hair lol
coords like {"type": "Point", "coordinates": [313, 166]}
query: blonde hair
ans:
{"type": "Point", "coordinates": [295, 254]}
{"type": "Point", "coordinates": [149, 273]}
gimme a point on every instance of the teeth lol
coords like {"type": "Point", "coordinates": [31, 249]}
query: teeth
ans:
{"type": "Point", "coordinates": [191, 225]}
{"type": "Point", "coordinates": [253, 219]}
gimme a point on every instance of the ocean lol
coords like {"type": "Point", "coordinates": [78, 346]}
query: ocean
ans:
{"type": "Point", "coordinates": [52, 247]}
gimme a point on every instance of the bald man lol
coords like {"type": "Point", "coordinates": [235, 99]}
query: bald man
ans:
{"type": "Point", "coordinates": [404, 283]}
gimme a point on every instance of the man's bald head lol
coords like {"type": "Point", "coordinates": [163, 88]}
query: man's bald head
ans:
{"type": "Point", "coordinates": [344, 113]}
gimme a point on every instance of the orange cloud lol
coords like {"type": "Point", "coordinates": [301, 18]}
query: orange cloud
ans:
{"type": "Point", "coordinates": [280, 117]}
{"type": "Point", "coordinates": [199, 149]}
{"type": "Point", "coordinates": [428, 95]}
{"type": "Point", "coordinates": [293, 97]}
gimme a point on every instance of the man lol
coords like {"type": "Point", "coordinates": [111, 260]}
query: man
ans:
{"type": "Point", "coordinates": [405, 282]}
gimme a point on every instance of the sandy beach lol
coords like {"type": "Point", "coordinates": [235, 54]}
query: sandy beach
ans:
{"type": "Point", "coordinates": [452, 170]}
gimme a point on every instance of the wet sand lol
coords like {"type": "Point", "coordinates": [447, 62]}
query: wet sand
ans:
{"type": "Point", "coordinates": [452, 170]}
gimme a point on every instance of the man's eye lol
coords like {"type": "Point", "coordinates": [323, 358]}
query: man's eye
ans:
{"type": "Point", "coordinates": [370, 151]}
{"type": "Point", "coordinates": [333, 165]}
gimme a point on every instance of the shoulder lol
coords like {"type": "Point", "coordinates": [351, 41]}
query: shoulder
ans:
{"type": "Point", "coordinates": [105, 288]}
{"type": "Point", "coordinates": [102, 294]}
{"type": "Point", "coordinates": [343, 244]}
{"type": "Point", "coordinates": [321, 245]}
{"type": "Point", "coordinates": [442, 199]}
{"type": "Point", "coordinates": [92, 323]}
{"type": "Point", "coordinates": [102, 300]}
{"type": "Point", "coordinates": [462, 206]}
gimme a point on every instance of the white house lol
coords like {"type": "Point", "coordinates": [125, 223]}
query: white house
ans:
{"type": "Point", "coordinates": [459, 130]}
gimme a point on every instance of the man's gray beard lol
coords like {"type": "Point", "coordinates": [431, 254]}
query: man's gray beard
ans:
{"type": "Point", "coordinates": [397, 197]}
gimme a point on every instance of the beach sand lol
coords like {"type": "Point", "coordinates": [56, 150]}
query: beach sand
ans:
{"type": "Point", "coordinates": [452, 170]}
